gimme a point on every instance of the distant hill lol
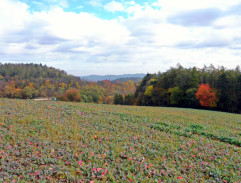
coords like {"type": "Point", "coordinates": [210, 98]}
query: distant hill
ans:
{"type": "Point", "coordinates": [122, 77]}
{"type": "Point", "coordinates": [135, 79]}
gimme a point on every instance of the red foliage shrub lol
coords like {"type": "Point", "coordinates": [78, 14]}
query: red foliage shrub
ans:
{"type": "Point", "coordinates": [206, 96]}
{"type": "Point", "coordinates": [71, 95]}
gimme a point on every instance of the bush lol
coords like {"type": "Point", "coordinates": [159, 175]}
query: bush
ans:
{"type": "Point", "coordinates": [71, 95]}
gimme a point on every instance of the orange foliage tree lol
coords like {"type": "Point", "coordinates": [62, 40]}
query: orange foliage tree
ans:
{"type": "Point", "coordinates": [206, 96]}
{"type": "Point", "coordinates": [71, 95]}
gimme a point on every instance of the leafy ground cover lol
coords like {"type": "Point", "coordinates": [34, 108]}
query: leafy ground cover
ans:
{"type": "Point", "coordinates": [51, 141]}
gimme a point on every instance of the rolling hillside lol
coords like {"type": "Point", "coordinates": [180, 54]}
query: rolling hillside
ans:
{"type": "Point", "coordinates": [74, 142]}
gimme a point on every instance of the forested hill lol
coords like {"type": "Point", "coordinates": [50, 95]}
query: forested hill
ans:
{"type": "Point", "coordinates": [34, 72]}
{"type": "Point", "coordinates": [123, 77]}
{"type": "Point", "coordinates": [35, 80]}
{"type": "Point", "coordinates": [208, 87]}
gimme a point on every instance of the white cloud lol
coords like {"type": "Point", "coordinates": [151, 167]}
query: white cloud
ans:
{"type": "Point", "coordinates": [114, 6]}
{"type": "Point", "coordinates": [231, 21]}
{"type": "Point", "coordinates": [95, 3]}
{"type": "Point", "coordinates": [174, 6]}
{"type": "Point", "coordinates": [71, 26]}
{"type": "Point", "coordinates": [64, 3]}
{"type": "Point", "coordinates": [10, 20]}
{"type": "Point", "coordinates": [144, 42]}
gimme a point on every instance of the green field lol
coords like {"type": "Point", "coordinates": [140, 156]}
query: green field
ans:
{"type": "Point", "coordinates": [51, 141]}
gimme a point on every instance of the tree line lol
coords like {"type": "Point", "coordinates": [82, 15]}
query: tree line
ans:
{"type": "Point", "coordinates": [28, 81]}
{"type": "Point", "coordinates": [206, 88]}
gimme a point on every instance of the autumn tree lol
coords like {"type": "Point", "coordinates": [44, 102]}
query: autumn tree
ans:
{"type": "Point", "coordinates": [149, 91]}
{"type": "Point", "coordinates": [10, 90]}
{"type": "Point", "coordinates": [72, 95]}
{"type": "Point", "coordinates": [206, 96]}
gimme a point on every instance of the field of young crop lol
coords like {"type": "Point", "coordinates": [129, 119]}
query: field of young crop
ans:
{"type": "Point", "coordinates": [47, 141]}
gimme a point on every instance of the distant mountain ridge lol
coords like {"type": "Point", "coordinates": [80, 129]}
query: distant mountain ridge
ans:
{"type": "Point", "coordinates": [135, 79]}
{"type": "Point", "coordinates": [96, 78]}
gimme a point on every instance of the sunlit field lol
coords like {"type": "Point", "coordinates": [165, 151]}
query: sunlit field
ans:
{"type": "Point", "coordinates": [48, 141]}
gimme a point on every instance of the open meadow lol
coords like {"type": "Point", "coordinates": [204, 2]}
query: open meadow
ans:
{"type": "Point", "coordinates": [48, 141]}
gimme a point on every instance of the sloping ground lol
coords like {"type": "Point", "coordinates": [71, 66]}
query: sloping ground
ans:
{"type": "Point", "coordinates": [73, 142]}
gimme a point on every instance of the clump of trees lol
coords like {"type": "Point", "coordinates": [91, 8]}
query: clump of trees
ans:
{"type": "Point", "coordinates": [207, 87]}
{"type": "Point", "coordinates": [71, 95]}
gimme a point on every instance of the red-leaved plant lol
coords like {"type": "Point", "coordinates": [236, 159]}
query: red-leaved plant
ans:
{"type": "Point", "coordinates": [206, 96]}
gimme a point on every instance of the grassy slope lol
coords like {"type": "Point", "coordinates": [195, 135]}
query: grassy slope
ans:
{"type": "Point", "coordinates": [71, 141]}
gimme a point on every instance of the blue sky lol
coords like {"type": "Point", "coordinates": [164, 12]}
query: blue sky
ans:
{"type": "Point", "coordinates": [118, 37]}
{"type": "Point", "coordinates": [96, 7]}
{"type": "Point", "coordinates": [76, 5]}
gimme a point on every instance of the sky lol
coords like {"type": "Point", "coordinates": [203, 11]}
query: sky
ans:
{"type": "Point", "coordinates": [122, 36]}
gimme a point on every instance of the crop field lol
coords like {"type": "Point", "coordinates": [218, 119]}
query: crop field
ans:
{"type": "Point", "coordinates": [47, 141]}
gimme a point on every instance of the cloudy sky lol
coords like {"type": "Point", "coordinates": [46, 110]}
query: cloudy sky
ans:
{"type": "Point", "coordinates": [117, 37]}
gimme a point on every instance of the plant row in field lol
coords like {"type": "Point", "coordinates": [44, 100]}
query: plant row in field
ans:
{"type": "Point", "coordinates": [193, 129]}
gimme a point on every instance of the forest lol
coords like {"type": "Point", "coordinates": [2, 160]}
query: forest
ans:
{"type": "Point", "coordinates": [28, 81]}
{"type": "Point", "coordinates": [205, 88]}
{"type": "Point", "coordinates": [202, 88]}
